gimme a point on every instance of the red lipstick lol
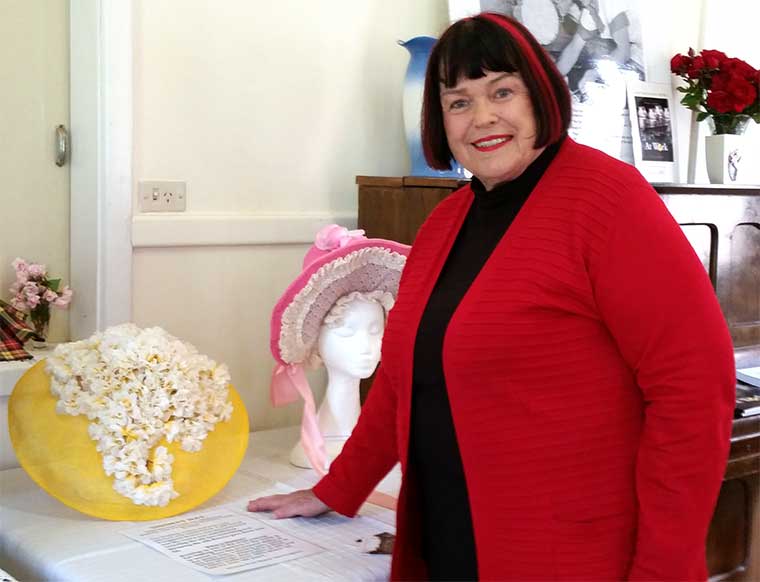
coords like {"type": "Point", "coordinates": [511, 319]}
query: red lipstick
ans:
{"type": "Point", "coordinates": [491, 142]}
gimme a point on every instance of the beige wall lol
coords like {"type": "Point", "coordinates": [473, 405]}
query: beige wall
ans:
{"type": "Point", "coordinates": [261, 107]}
{"type": "Point", "coordinates": [220, 299]}
{"type": "Point", "coordinates": [272, 108]}
{"type": "Point", "coordinates": [34, 99]}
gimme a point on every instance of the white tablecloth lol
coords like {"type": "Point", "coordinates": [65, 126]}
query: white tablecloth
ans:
{"type": "Point", "coordinates": [10, 372]}
{"type": "Point", "coordinates": [42, 539]}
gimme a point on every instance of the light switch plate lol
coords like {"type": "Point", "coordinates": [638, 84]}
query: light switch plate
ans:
{"type": "Point", "coordinates": [162, 196]}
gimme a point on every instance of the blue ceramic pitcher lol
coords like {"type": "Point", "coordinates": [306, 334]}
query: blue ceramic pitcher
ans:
{"type": "Point", "coordinates": [419, 49]}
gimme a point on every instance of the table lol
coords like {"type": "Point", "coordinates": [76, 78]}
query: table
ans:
{"type": "Point", "coordinates": [42, 539]}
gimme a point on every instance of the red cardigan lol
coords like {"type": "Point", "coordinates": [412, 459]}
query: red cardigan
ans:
{"type": "Point", "coordinates": [591, 380]}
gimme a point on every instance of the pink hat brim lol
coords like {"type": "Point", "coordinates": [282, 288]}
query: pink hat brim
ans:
{"type": "Point", "coordinates": [305, 277]}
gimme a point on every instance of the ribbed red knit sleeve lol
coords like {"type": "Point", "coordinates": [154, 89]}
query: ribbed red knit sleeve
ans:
{"type": "Point", "coordinates": [368, 454]}
{"type": "Point", "coordinates": [657, 301]}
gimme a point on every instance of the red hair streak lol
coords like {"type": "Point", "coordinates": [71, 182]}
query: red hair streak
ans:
{"type": "Point", "coordinates": [555, 121]}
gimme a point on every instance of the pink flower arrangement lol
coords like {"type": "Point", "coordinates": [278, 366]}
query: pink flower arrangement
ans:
{"type": "Point", "coordinates": [33, 293]}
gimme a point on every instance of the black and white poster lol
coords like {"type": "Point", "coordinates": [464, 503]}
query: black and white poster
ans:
{"type": "Point", "coordinates": [654, 143]}
{"type": "Point", "coordinates": [655, 134]}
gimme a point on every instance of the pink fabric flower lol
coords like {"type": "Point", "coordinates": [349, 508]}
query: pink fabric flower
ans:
{"type": "Point", "coordinates": [37, 271]}
{"type": "Point", "coordinates": [32, 301]}
{"type": "Point", "coordinates": [335, 236]}
{"type": "Point", "coordinates": [31, 288]}
{"type": "Point", "coordinates": [19, 264]}
{"type": "Point", "coordinates": [31, 293]}
{"type": "Point", "coordinates": [64, 298]}
{"type": "Point", "coordinates": [22, 277]}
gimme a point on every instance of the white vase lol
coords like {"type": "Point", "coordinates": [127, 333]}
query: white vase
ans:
{"type": "Point", "coordinates": [724, 154]}
{"type": "Point", "coordinates": [725, 149]}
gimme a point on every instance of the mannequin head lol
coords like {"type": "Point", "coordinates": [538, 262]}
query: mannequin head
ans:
{"type": "Point", "coordinates": [352, 332]}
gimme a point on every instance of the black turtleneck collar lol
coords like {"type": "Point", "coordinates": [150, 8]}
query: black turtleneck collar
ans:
{"type": "Point", "coordinates": [522, 185]}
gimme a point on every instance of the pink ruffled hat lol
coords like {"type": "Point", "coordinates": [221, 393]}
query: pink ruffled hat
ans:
{"type": "Point", "coordinates": [339, 262]}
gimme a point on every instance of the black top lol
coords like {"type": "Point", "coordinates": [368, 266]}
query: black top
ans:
{"type": "Point", "coordinates": [448, 543]}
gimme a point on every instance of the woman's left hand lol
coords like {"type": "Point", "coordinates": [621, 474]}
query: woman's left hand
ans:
{"type": "Point", "coordinates": [299, 503]}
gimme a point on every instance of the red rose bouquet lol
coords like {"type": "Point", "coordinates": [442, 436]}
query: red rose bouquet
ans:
{"type": "Point", "coordinates": [724, 89]}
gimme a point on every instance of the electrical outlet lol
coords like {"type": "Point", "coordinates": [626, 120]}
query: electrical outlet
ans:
{"type": "Point", "coordinates": [157, 196]}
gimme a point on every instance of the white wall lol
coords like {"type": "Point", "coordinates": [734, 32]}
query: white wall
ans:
{"type": "Point", "coordinates": [273, 106]}
{"type": "Point", "coordinates": [34, 99]}
{"type": "Point", "coordinates": [268, 110]}
{"type": "Point", "coordinates": [668, 28]}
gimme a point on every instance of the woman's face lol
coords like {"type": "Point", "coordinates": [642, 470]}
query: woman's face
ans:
{"type": "Point", "coordinates": [490, 126]}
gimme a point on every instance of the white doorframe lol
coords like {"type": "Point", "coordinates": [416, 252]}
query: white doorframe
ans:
{"type": "Point", "coordinates": [101, 163]}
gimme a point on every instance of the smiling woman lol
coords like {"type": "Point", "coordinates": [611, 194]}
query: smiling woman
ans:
{"type": "Point", "coordinates": [553, 337]}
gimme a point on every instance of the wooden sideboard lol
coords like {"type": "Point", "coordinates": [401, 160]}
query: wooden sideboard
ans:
{"type": "Point", "coordinates": [723, 225]}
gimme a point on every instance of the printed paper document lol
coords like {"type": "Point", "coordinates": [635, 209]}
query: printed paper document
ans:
{"type": "Point", "coordinates": [222, 542]}
{"type": "Point", "coordinates": [228, 540]}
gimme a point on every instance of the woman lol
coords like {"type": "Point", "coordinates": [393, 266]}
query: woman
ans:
{"type": "Point", "coordinates": [557, 378]}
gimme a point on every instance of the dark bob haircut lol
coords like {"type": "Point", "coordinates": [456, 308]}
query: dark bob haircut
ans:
{"type": "Point", "coordinates": [492, 42]}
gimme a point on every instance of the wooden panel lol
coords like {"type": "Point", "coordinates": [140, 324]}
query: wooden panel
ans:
{"type": "Point", "coordinates": [396, 213]}
{"type": "Point", "coordinates": [744, 456]}
{"type": "Point", "coordinates": [733, 216]}
{"type": "Point", "coordinates": [727, 536]}
{"type": "Point", "coordinates": [730, 541]}
{"type": "Point", "coordinates": [378, 181]}
{"type": "Point", "coordinates": [741, 278]}
{"type": "Point", "coordinates": [448, 183]}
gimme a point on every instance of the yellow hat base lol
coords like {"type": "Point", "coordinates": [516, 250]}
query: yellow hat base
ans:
{"type": "Point", "coordinates": [58, 454]}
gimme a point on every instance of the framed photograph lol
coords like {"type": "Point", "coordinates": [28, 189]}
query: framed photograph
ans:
{"type": "Point", "coordinates": [597, 46]}
{"type": "Point", "coordinates": [653, 131]}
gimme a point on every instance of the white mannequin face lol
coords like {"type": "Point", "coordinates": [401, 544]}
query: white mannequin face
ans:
{"type": "Point", "coordinates": [353, 348]}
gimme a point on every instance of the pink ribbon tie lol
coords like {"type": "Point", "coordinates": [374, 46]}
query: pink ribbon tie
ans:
{"type": "Point", "coordinates": [288, 383]}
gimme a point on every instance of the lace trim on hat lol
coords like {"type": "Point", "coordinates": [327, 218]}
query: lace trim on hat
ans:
{"type": "Point", "coordinates": [366, 270]}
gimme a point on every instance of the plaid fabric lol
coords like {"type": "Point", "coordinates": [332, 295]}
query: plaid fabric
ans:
{"type": "Point", "coordinates": [13, 333]}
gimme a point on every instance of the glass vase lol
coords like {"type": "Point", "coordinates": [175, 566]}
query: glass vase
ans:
{"type": "Point", "coordinates": [728, 124]}
{"type": "Point", "coordinates": [39, 317]}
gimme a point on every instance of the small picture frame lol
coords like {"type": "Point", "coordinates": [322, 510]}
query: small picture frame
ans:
{"type": "Point", "coordinates": [653, 131]}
